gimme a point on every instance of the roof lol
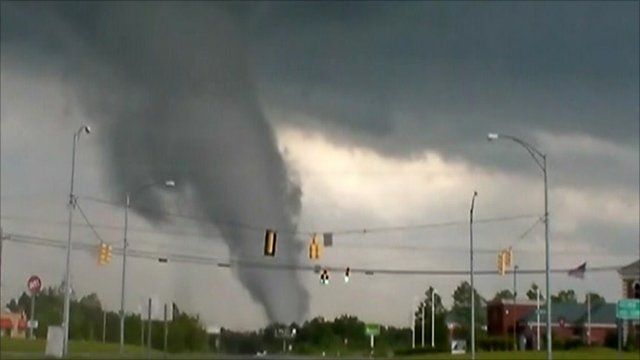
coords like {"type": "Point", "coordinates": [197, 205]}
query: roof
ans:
{"type": "Point", "coordinates": [632, 270]}
{"type": "Point", "coordinates": [577, 313]}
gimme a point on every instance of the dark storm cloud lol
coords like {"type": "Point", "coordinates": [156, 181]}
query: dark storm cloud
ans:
{"type": "Point", "coordinates": [451, 72]}
{"type": "Point", "coordinates": [172, 84]}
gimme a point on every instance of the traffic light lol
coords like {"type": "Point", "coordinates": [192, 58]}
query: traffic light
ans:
{"type": "Point", "coordinates": [314, 249]}
{"type": "Point", "coordinates": [324, 277]}
{"type": "Point", "coordinates": [502, 266]}
{"type": "Point", "coordinates": [270, 237]}
{"type": "Point", "coordinates": [508, 254]}
{"type": "Point", "coordinates": [104, 257]}
{"type": "Point", "coordinates": [346, 275]}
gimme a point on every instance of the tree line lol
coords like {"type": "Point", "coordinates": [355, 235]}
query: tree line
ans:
{"type": "Point", "coordinates": [342, 335]}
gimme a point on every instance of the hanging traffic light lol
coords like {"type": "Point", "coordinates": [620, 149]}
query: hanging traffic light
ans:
{"type": "Point", "coordinates": [508, 254]}
{"type": "Point", "coordinates": [502, 268]}
{"type": "Point", "coordinates": [346, 275]}
{"type": "Point", "coordinates": [104, 256]}
{"type": "Point", "coordinates": [270, 237]}
{"type": "Point", "coordinates": [324, 277]}
{"type": "Point", "coordinates": [314, 249]}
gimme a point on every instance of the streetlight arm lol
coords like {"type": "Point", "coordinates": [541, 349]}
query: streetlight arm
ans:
{"type": "Point", "coordinates": [535, 153]}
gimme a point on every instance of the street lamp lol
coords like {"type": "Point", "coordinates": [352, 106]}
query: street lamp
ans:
{"type": "Point", "coordinates": [541, 161]}
{"type": "Point", "coordinates": [473, 298]}
{"type": "Point", "coordinates": [67, 276]}
{"type": "Point", "coordinates": [128, 197]}
{"type": "Point", "coordinates": [433, 317]}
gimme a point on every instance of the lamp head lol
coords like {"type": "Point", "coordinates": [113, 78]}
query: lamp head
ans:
{"type": "Point", "coordinates": [87, 129]}
{"type": "Point", "coordinates": [492, 136]}
{"type": "Point", "coordinates": [170, 183]}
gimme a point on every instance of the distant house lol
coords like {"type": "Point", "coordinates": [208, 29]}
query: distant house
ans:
{"type": "Point", "coordinates": [13, 325]}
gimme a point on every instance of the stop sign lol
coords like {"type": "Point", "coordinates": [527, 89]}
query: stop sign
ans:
{"type": "Point", "coordinates": [34, 284]}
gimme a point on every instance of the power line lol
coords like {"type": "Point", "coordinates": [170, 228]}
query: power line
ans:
{"type": "Point", "coordinates": [86, 220]}
{"type": "Point", "coordinates": [226, 263]}
{"type": "Point", "coordinates": [365, 230]}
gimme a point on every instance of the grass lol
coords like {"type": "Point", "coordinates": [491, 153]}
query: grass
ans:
{"type": "Point", "coordinates": [20, 348]}
{"type": "Point", "coordinates": [578, 354]}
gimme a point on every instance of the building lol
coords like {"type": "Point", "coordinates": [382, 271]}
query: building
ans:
{"type": "Point", "coordinates": [503, 315]}
{"type": "Point", "coordinates": [13, 325]}
{"type": "Point", "coordinates": [568, 321]}
{"type": "Point", "coordinates": [630, 278]}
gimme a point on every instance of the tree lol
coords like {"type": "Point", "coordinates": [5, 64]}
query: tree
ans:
{"type": "Point", "coordinates": [596, 299]}
{"type": "Point", "coordinates": [461, 308]}
{"type": "Point", "coordinates": [505, 294]}
{"type": "Point", "coordinates": [440, 325]}
{"type": "Point", "coordinates": [565, 297]}
{"type": "Point", "coordinates": [532, 293]}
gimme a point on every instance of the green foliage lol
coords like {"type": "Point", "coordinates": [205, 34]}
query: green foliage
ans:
{"type": "Point", "coordinates": [503, 295]}
{"type": "Point", "coordinates": [531, 293]}
{"type": "Point", "coordinates": [565, 296]}
{"type": "Point", "coordinates": [595, 298]}
{"type": "Point", "coordinates": [86, 322]}
{"type": "Point", "coordinates": [461, 309]}
{"type": "Point", "coordinates": [495, 343]}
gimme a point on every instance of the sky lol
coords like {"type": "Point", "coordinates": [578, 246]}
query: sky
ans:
{"type": "Point", "coordinates": [316, 117]}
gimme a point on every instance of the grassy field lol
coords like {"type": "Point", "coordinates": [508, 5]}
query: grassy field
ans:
{"type": "Point", "coordinates": [16, 348]}
{"type": "Point", "coordinates": [579, 354]}
{"type": "Point", "coordinates": [23, 349]}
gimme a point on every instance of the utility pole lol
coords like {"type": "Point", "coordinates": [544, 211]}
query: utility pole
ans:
{"type": "Point", "coordinates": [2, 238]}
{"type": "Point", "coordinates": [166, 329]}
{"type": "Point", "coordinates": [104, 326]}
{"type": "Point", "coordinates": [149, 330]}
{"type": "Point", "coordinates": [513, 311]}
{"type": "Point", "coordinates": [538, 318]}
{"type": "Point", "coordinates": [588, 319]}
{"type": "Point", "coordinates": [433, 317]}
{"type": "Point", "coordinates": [473, 303]}
{"type": "Point", "coordinates": [423, 315]}
{"type": "Point", "coordinates": [413, 327]}
{"type": "Point", "coordinates": [32, 315]}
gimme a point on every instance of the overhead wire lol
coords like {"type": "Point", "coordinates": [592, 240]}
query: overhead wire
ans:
{"type": "Point", "coordinates": [364, 230]}
{"type": "Point", "coordinates": [86, 220]}
{"type": "Point", "coordinates": [231, 263]}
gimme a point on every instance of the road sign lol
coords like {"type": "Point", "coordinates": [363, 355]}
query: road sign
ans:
{"type": "Point", "coordinates": [372, 329]}
{"type": "Point", "coordinates": [32, 324]}
{"type": "Point", "coordinates": [628, 309]}
{"type": "Point", "coordinates": [34, 284]}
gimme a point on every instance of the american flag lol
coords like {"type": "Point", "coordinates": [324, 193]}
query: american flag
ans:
{"type": "Point", "coordinates": [579, 271]}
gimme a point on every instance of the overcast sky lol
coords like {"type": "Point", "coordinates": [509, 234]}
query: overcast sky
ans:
{"type": "Point", "coordinates": [355, 115]}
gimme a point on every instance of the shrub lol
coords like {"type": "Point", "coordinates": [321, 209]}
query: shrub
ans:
{"type": "Point", "coordinates": [495, 343]}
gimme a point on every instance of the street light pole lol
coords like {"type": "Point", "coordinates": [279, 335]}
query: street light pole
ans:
{"type": "Point", "coordinates": [127, 205]}
{"type": "Point", "coordinates": [541, 161]}
{"type": "Point", "coordinates": [473, 302]}
{"type": "Point", "coordinates": [67, 276]}
{"type": "Point", "coordinates": [433, 291]}
{"type": "Point", "coordinates": [515, 294]}
{"type": "Point", "coordinates": [124, 271]}
{"type": "Point", "coordinates": [423, 315]}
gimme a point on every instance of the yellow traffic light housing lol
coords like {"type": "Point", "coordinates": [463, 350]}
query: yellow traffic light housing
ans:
{"type": "Point", "coordinates": [314, 249]}
{"type": "Point", "coordinates": [502, 269]}
{"type": "Point", "coordinates": [105, 254]}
